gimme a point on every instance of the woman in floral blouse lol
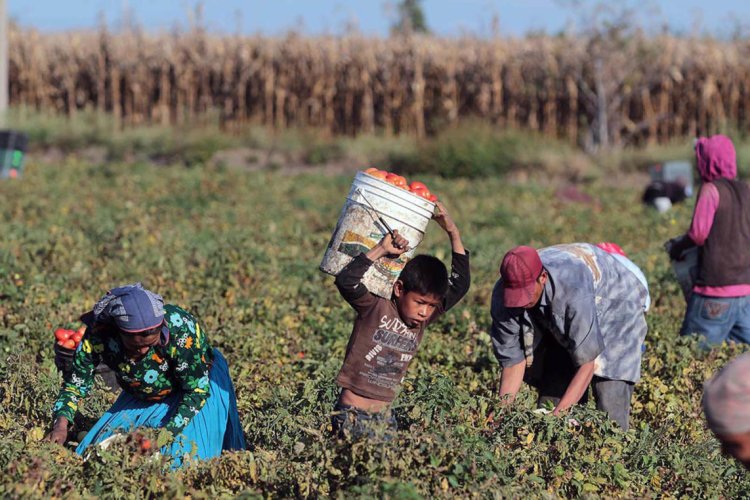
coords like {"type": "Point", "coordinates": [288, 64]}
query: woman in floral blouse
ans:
{"type": "Point", "coordinates": [170, 375]}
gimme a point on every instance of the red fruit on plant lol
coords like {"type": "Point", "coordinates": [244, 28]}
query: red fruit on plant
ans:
{"type": "Point", "coordinates": [145, 445]}
{"type": "Point", "coordinates": [69, 344]}
{"type": "Point", "coordinates": [62, 334]}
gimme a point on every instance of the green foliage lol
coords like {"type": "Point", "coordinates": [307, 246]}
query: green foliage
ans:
{"type": "Point", "coordinates": [240, 250]}
{"type": "Point", "coordinates": [477, 149]}
{"type": "Point", "coordinates": [472, 148]}
{"type": "Point", "coordinates": [321, 153]}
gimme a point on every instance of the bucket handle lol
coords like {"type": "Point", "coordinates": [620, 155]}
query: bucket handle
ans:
{"type": "Point", "coordinates": [361, 192]}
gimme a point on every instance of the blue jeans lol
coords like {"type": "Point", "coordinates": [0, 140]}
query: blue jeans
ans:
{"type": "Point", "coordinates": [718, 319]}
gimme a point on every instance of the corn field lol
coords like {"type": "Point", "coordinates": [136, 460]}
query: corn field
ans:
{"type": "Point", "coordinates": [590, 90]}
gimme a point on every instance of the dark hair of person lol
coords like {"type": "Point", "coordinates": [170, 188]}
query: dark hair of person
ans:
{"type": "Point", "coordinates": [425, 274]}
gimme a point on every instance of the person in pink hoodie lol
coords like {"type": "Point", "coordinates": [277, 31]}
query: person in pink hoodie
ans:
{"type": "Point", "coordinates": [719, 307]}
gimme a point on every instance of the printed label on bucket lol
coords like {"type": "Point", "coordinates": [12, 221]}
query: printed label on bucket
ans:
{"type": "Point", "coordinates": [353, 244]}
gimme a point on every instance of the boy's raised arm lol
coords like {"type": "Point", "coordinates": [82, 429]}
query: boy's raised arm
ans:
{"type": "Point", "coordinates": [349, 280]}
{"type": "Point", "coordinates": [444, 220]}
{"type": "Point", "coordinates": [460, 276]}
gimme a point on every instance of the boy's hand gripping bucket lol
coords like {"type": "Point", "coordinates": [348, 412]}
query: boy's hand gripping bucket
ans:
{"type": "Point", "coordinates": [358, 229]}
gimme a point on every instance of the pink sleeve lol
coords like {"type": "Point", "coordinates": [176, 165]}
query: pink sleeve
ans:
{"type": "Point", "coordinates": [703, 216]}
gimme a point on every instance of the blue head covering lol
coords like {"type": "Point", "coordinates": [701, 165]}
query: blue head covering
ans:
{"type": "Point", "coordinates": [131, 308]}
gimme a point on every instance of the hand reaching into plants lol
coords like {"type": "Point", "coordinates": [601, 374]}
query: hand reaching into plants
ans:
{"type": "Point", "coordinates": [59, 432]}
{"type": "Point", "coordinates": [576, 388]}
{"type": "Point", "coordinates": [390, 246]}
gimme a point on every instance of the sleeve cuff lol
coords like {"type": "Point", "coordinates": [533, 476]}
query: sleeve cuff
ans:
{"type": "Point", "coordinates": [585, 354]}
{"type": "Point", "coordinates": [64, 412]}
{"type": "Point", "coordinates": [364, 258]}
{"type": "Point", "coordinates": [505, 363]}
{"type": "Point", "coordinates": [462, 255]}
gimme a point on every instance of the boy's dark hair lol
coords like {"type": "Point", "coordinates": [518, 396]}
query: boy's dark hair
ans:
{"type": "Point", "coordinates": [425, 274]}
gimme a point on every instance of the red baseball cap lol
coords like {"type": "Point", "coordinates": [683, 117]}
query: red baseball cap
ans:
{"type": "Point", "coordinates": [520, 269]}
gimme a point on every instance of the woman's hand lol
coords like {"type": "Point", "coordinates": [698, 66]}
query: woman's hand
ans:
{"type": "Point", "coordinates": [59, 432]}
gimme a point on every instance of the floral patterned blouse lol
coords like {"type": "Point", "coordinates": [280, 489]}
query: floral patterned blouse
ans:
{"type": "Point", "coordinates": [180, 362]}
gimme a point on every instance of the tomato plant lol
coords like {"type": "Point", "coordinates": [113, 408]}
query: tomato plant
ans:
{"type": "Point", "coordinates": [240, 250]}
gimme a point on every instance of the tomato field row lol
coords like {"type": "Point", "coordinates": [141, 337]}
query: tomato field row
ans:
{"type": "Point", "coordinates": [241, 250]}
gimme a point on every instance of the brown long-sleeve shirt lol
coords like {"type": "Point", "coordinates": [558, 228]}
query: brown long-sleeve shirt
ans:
{"type": "Point", "coordinates": [382, 345]}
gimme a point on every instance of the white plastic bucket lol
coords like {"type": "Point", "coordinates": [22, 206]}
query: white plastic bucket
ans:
{"type": "Point", "coordinates": [358, 230]}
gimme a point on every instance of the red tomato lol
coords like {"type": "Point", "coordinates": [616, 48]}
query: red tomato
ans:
{"type": "Point", "coordinates": [371, 170]}
{"type": "Point", "coordinates": [424, 193]}
{"type": "Point", "coordinates": [380, 174]}
{"type": "Point", "coordinates": [81, 330]}
{"type": "Point", "coordinates": [62, 334]}
{"type": "Point", "coordinates": [77, 337]}
{"type": "Point", "coordinates": [396, 180]}
{"type": "Point", "coordinates": [416, 185]}
{"type": "Point", "coordinates": [432, 198]}
{"type": "Point", "coordinates": [69, 344]}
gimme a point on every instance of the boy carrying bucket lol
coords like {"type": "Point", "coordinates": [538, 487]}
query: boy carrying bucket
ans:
{"type": "Point", "coordinates": [387, 333]}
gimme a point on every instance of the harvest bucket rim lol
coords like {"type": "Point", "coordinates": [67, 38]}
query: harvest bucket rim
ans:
{"type": "Point", "coordinates": [405, 191]}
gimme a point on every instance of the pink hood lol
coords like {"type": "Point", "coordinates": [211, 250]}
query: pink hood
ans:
{"type": "Point", "coordinates": [715, 158]}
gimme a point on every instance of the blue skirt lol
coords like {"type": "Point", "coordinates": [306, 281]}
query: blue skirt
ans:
{"type": "Point", "coordinates": [215, 428]}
